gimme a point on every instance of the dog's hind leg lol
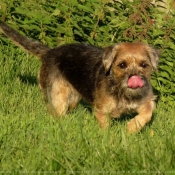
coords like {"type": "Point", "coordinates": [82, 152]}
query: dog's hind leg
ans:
{"type": "Point", "coordinates": [74, 98]}
{"type": "Point", "coordinates": [62, 97]}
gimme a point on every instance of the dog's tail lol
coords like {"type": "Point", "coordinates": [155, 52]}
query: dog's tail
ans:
{"type": "Point", "coordinates": [33, 47]}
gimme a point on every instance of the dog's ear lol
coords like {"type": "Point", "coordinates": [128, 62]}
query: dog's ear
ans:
{"type": "Point", "coordinates": [154, 55]}
{"type": "Point", "coordinates": [108, 56]}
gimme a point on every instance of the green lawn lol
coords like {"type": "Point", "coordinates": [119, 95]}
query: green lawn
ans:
{"type": "Point", "coordinates": [33, 142]}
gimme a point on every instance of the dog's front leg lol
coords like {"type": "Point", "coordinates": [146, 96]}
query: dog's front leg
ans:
{"type": "Point", "coordinates": [143, 117]}
{"type": "Point", "coordinates": [103, 119]}
{"type": "Point", "coordinates": [103, 110]}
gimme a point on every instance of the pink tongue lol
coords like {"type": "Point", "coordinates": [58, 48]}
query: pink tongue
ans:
{"type": "Point", "coordinates": [135, 82]}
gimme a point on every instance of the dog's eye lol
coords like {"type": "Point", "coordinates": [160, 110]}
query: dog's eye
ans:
{"type": "Point", "coordinates": [143, 65]}
{"type": "Point", "coordinates": [123, 65]}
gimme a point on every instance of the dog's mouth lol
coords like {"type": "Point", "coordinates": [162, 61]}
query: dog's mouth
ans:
{"type": "Point", "coordinates": [135, 82]}
{"type": "Point", "coordinates": [134, 87]}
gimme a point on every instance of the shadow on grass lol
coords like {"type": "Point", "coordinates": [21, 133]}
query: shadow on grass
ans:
{"type": "Point", "coordinates": [86, 105]}
{"type": "Point", "coordinates": [28, 79]}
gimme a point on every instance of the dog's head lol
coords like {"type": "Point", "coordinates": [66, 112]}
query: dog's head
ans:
{"type": "Point", "coordinates": [130, 66]}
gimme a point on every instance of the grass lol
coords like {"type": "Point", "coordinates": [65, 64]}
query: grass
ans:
{"type": "Point", "coordinates": [33, 142]}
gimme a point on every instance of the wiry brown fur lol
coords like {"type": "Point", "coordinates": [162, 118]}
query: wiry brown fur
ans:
{"type": "Point", "coordinates": [99, 76]}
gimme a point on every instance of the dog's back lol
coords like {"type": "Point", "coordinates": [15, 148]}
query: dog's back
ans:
{"type": "Point", "coordinates": [79, 64]}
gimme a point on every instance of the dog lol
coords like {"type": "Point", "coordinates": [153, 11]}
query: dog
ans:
{"type": "Point", "coordinates": [114, 80]}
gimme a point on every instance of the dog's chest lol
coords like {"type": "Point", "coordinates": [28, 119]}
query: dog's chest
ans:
{"type": "Point", "coordinates": [123, 107]}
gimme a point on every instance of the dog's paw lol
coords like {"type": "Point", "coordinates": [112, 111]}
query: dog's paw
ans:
{"type": "Point", "coordinates": [134, 126]}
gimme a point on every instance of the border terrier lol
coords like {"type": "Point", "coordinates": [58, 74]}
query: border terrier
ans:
{"type": "Point", "coordinates": [113, 80]}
